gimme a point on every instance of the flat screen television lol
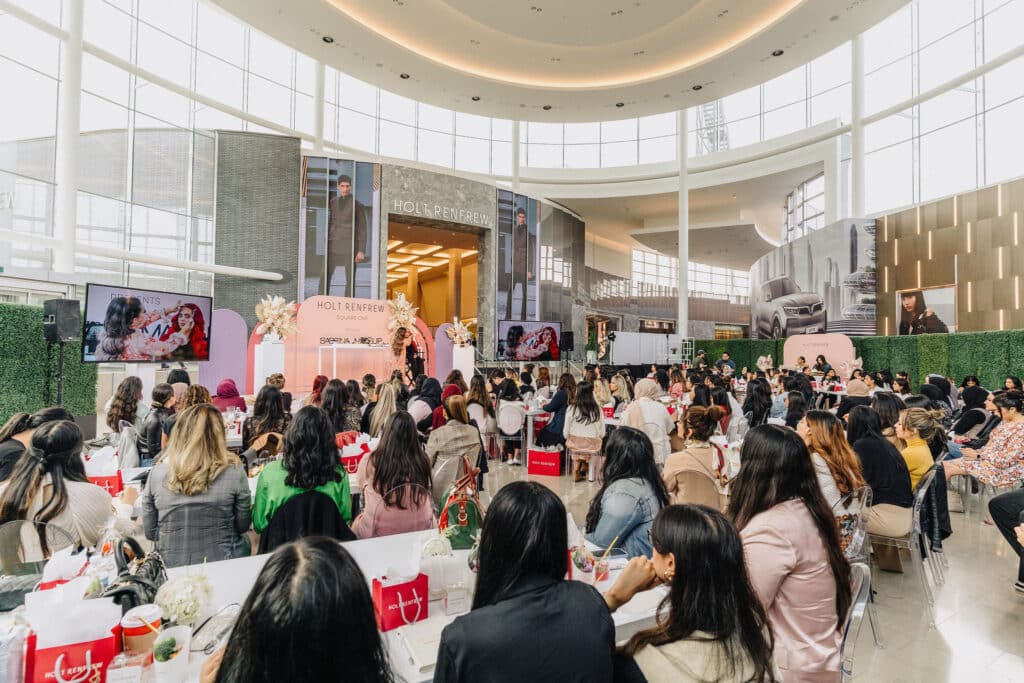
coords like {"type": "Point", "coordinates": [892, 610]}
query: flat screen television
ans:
{"type": "Point", "coordinates": [527, 340]}
{"type": "Point", "coordinates": [130, 325]}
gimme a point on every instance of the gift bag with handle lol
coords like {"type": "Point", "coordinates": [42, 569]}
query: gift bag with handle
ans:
{"type": "Point", "coordinates": [400, 602]}
{"type": "Point", "coordinates": [462, 514]}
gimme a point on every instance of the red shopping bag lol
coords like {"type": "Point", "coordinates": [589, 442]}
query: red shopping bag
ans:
{"type": "Point", "coordinates": [400, 604]}
{"type": "Point", "coordinates": [539, 423]}
{"type": "Point", "coordinates": [73, 663]}
{"type": "Point", "coordinates": [351, 462]}
{"type": "Point", "coordinates": [342, 439]}
{"type": "Point", "coordinates": [544, 463]}
{"type": "Point", "coordinates": [609, 411]}
{"type": "Point", "coordinates": [113, 484]}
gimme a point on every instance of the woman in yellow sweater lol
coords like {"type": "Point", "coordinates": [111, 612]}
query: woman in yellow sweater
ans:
{"type": "Point", "coordinates": [918, 427]}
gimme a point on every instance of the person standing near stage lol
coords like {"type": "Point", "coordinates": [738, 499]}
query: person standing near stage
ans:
{"type": "Point", "coordinates": [345, 217]}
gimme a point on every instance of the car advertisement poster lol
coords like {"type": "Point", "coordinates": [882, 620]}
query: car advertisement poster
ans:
{"type": "Point", "coordinates": [822, 282]}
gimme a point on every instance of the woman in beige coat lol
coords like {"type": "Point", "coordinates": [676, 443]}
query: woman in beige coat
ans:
{"type": "Point", "coordinates": [692, 474]}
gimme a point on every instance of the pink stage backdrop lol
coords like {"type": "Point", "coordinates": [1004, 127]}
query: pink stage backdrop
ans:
{"type": "Point", "coordinates": [443, 346]}
{"type": "Point", "coordinates": [225, 361]}
{"type": "Point", "coordinates": [837, 349]}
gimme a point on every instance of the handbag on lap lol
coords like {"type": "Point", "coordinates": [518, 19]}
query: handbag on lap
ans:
{"type": "Point", "coordinates": [462, 514]}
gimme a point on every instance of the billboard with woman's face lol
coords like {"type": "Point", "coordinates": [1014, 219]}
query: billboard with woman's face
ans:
{"type": "Point", "coordinates": [526, 341]}
{"type": "Point", "coordinates": [927, 311]}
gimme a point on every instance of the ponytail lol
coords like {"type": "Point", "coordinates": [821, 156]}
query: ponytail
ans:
{"type": "Point", "coordinates": [17, 424]}
{"type": "Point", "coordinates": [25, 421]}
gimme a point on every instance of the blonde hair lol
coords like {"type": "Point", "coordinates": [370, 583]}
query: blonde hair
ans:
{"type": "Point", "coordinates": [385, 408]}
{"type": "Point", "coordinates": [196, 453]}
{"type": "Point", "coordinates": [195, 394]}
{"type": "Point", "coordinates": [925, 422]}
{"type": "Point", "coordinates": [602, 392]}
{"type": "Point", "coordinates": [825, 436]}
{"type": "Point", "coordinates": [276, 380]}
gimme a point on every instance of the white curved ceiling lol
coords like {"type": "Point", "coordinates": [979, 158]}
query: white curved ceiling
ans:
{"type": "Point", "coordinates": [563, 60]}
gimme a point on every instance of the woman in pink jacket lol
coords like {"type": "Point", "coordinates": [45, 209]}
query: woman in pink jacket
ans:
{"type": "Point", "coordinates": [793, 555]}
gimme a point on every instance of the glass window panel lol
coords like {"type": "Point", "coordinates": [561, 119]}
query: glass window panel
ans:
{"type": "Point", "coordinates": [220, 34]}
{"type": "Point", "coordinates": [303, 113]}
{"type": "Point", "coordinates": [947, 108]}
{"type": "Point", "coordinates": [269, 100]}
{"type": "Point", "coordinates": [948, 161]}
{"type": "Point", "coordinates": [619, 131]}
{"type": "Point", "coordinates": [937, 19]}
{"type": "Point", "coordinates": [581, 133]}
{"type": "Point", "coordinates": [107, 27]}
{"type": "Point", "coordinates": [472, 155]}
{"type": "Point", "coordinates": [583, 156]}
{"type": "Point", "coordinates": [357, 130]}
{"type": "Point", "coordinates": [397, 140]}
{"type": "Point", "coordinates": [435, 148]}
{"type": "Point", "coordinates": [212, 118]}
{"type": "Point", "coordinates": [543, 156]}
{"type": "Point", "coordinates": [164, 55]}
{"type": "Point", "coordinates": [618, 153]}
{"type": "Point", "coordinates": [946, 58]}
{"type": "Point", "coordinates": [657, 150]}
{"type": "Point", "coordinates": [161, 165]}
{"type": "Point", "coordinates": [833, 104]}
{"type": "Point", "coordinates": [740, 105]}
{"type": "Point", "coordinates": [501, 158]}
{"type": "Point", "coordinates": [160, 103]}
{"type": "Point", "coordinates": [831, 69]}
{"type": "Point", "coordinates": [786, 89]}
{"type": "Point", "coordinates": [331, 85]}
{"type": "Point", "coordinates": [545, 133]}
{"type": "Point", "coordinates": [28, 45]}
{"type": "Point", "coordinates": [888, 131]}
{"type": "Point", "coordinates": [1005, 83]}
{"type": "Point", "coordinates": [101, 222]}
{"type": "Point", "coordinates": [744, 132]}
{"type": "Point", "coordinates": [501, 129]}
{"type": "Point", "coordinates": [888, 178]}
{"type": "Point", "coordinates": [395, 107]}
{"type": "Point", "coordinates": [436, 119]}
{"type": "Point", "coordinates": [470, 125]}
{"type": "Point", "coordinates": [888, 86]}
{"type": "Point", "coordinates": [305, 74]}
{"type": "Point", "coordinates": [888, 40]}
{"type": "Point", "coordinates": [219, 80]}
{"type": "Point", "coordinates": [657, 126]}
{"type": "Point", "coordinates": [35, 115]}
{"type": "Point", "coordinates": [785, 120]}
{"type": "Point", "coordinates": [360, 96]}
{"type": "Point", "coordinates": [104, 79]}
{"type": "Point", "coordinates": [269, 58]}
{"type": "Point", "coordinates": [167, 16]}
{"type": "Point", "coordinates": [45, 9]}
{"type": "Point", "coordinates": [1002, 29]}
{"type": "Point", "coordinates": [1004, 144]}
{"type": "Point", "coordinates": [31, 213]}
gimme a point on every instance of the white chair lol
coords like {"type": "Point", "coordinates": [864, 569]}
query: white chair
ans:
{"type": "Point", "coordinates": [855, 505]}
{"type": "Point", "coordinates": [860, 589]}
{"type": "Point", "coordinates": [511, 418]}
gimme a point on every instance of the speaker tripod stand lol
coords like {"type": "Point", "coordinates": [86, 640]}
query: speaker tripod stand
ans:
{"type": "Point", "coordinates": [60, 370]}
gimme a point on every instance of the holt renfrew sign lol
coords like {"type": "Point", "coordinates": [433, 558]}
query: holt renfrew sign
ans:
{"type": "Point", "coordinates": [441, 212]}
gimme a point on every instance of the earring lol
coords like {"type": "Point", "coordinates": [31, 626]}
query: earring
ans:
{"type": "Point", "coordinates": [669, 575]}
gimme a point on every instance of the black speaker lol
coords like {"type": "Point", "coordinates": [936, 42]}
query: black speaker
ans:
{"type": "Point", "coordinates": [566, 343]}
{"type": "Point", "coordinates": [62, 320]}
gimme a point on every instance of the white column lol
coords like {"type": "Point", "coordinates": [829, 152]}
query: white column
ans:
{"type": "Point", "coordinates": [318, 110]}
{"type": "Point", "coordinates": [857, 130]}
{"type": "Point", "coordinates": [515, 156]}
{"type": "Point", "coordinates": [68, 133]}
{"type": "Point", "coordinates": [683, 311]}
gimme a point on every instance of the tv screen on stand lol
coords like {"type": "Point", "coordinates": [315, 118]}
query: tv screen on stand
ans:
{"type": "Point", "coordinates": [131, 325]}
{"type": "Point", "coordinates": [528, 340]}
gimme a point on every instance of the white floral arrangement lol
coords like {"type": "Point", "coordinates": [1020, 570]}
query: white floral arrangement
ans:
{"type": "Point", "coordinates": [276, 316]}
{"type": "Point", "coordinates": [459, 333]}
{"type": "Point", "coordinates": [847, 367]}
{"type": "Point", "coordinates": [764, 363]}
{"type": "Point", "coordinates": [403, 316]}
{"type": "Point", "coordinates": [184, 599]}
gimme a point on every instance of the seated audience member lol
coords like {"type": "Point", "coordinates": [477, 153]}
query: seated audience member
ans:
{"type": "Point", "coordinates": [510, 412]}
{"type": "Point", "coordinates": [632, 494]}
{"type": "Point", "coordinates": [584, 432]}
{"type": "Point", "coordinates": [977, 437]}
{"type": "Point", "coordinates": [662, 378]}
{"type": "Point", "coordinates": [125, 405]}
{"type": "Point", "coordinates": [309, 598]}
{"type": "Point", "coordinates": [402, 395]}
{"type": "Point", "coordinates": [1000, 463]}
{"type": "Point", "coordinates": [310, 463]}
{"type": "Point", "coordinates": [733, 424]}
{"type": "Point", "coordinates": [227, 396]}
{"type": "Point", "coordinates": [651, 417]}
{"type": "Point", "coordinates": [480, 405]}
{"type": "Point", "coordinates": [694, 474]}
{"type": "Point", "coordinates": [856, 395]}
{"type": "Point", "coordinates": [450, 443]}
{"type": "Point", "coordinates": [151, 437]}
{"type": "Point", "coordinates": [48, 484]}
{"type": "Point", "coordinates": [1007, 512]}
{"type": "Point", "coordinates": [197, 469]}
{"type": "Point", "coordinates": [525, 384]}
{"type": "Point", "coordinates": [523, 608]}
{"type": "Point", "coordinates": [16, 434]}
{"type": "Point", "coordinates": [355, 395]}
{"type": "Point", "coordinates": [821, 366]}
{"type": "Point", "coordinates": [426, 401]}
{"type": "Point", "coordinates": [1013, 384]}
{"type": "Point", "coordinates": [940, 402]}
{"type": "Point", "coordinates": [553, 432]}
{"type": "Point", "coordinates": [544, 390]}
{"type": "Point", "coordinates": [901, 387]}
{"type": "Point", "coordinates": [276, 380]}
{"type": "Point", "coordinates": [396, 483]}
{"type": "Point", "coordinates": [378, 412]}
{"type": "Point", "coordinates": [194, 395]}
{"type": "Point", "coordinates": [620, 392]}
{"type": "Point", "coordinates": [440, 416]}
{"type": "Point", "coordinates": [344, 416]}
{"type": "Point", "coordinates": [758, 402]}
{"type": "Point", "coordinates": [179, 376]}
{"type": "Point", "coordinates": [317, 391]}
{"type": "Point", "coordinates": [179, 394]}
{"type": "Point", "coordinates": [678, 384]}
{"type": "Point", "coordinates": [974, 414]}
{"type": "Point", "coordinates": [917, 427]}
{"type": "Point", "coordinates": [888, 407]}
{"type": "Point", "coordinates": [697, 553]}
{"type": "Point", "coordinates": [782, 387]}
{"type": "Point", "coordinates": [369, 388]}
{"type": "Point", "coordinates": [885, 471]}
{"type": "Point", "coordinates": [873, 382]}
{"type": "Point", "coordinates": [726, 364]}
{"type": "Point", "coordinates": [456, 377]}
{"type": "Point", "coordinates": [796, 408]}
{"type": "Point", "coordinates": [268, 416]}
{"type": "Point", "coordinates": [794, 559]}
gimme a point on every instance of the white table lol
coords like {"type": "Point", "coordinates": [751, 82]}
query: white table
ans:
{"type": "Point", "coordinates": [231, 581]}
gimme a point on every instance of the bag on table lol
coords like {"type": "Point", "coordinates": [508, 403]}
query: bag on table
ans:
{"type": "Point", "coordinates": [138, 576]}
{"type": "Point", "coordinates": [462, 510]}
{"type": "Point", "coordinates": [400, 604]}
{"type": "Point", "coordinates": [102, 469]}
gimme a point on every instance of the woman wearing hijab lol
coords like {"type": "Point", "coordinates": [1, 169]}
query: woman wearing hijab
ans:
{"type": "Point", "coordinates": [439, 419]}
{"type": "Point", "coordinates": [650, 416]}
{"type": "Point", "coordinates": [227, 396]}
{"type": "Point", "coordinates": [426, 402]}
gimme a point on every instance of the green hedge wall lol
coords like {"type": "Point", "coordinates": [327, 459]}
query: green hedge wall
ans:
{"type": "Point", "coordinates": [990, 355]}
{"type": "Point", "coordinates": [25, 367]}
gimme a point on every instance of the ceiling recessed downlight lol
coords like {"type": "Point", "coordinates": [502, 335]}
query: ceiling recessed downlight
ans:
{"type": "Point", "coordinates": [778, 53]}
{"type": "Point", "coordinates": [546, 107]}
{"type": "Point", "coordinates": [475, 98]}
{"type": "Point", "coordinates": [620, 104]}
{"type": "Point", "coordinates": [327, 39]}
{"type": "Point", "coordinates": [698, 87]}
{"type": "Point", "coordinates": [404, 77]}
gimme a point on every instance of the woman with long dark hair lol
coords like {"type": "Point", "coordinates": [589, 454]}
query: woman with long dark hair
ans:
{"type": "Point", "coordinates": [632, 494]}
{"type": "Point", "coordinates": [584, 431]}
{"type": "Point", "coordinates": [396, 483]}
{"type": "Point", "coordinates": [888, 406]}
{"type": "Point", "coordinates": [714, 627]}
{"type": "Point", "coordinates": [310, 598]}
{"type": "Point", "coordinates": [16, 434]}
{"type": "Point", "coordinates": [342, 413]}
{"type": "Point", "coordinates": [796, 408]}
{"type": "Point", "coordinates": [49, 485]}
{"type": "Point", "coordinates": [553, 432]}
{"type": "Point", "coordinates": [694, 474]}
{"type": "Point", "coordinates": [791, 544]}
{"type": "Point", "coordinates": [455, 377]}
{"type": "Point", "coordinates": [124, 338]}
{"type": "Point", "coordinates": [310, 463]}
{"type": "Point", "coordinates": [916, 317]}
{"type": "Point", "coordinates": [700, 395]}
{"type": "Point", "coordinates": [423, 405]}
{"type": "Point", "coordinates": [151, 436]}
{"type": "Point", "coordinates": [125, 405]}
{"type": "Point", "coordinates": [758, 402]}
{"type": "Point", "coordinates": [522, 598]}
{"type": "Point", "coordinates": [268, 416]}
{"type": "Point", "coordinates": [355, 395]}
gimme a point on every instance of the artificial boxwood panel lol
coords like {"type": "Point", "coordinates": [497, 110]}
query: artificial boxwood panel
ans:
{"type": "Point", "coordinates": [1015, 353]}
{"type": "Point", "coordinates": [932, 356]}
{"type": "Point", "coordinates": [903, 355]}
{"type": "Point", "coordinates": [874, 351]}
{"type": "Point", "coordinates": [992, 355]}
{"type": "Point", "coordinates": [25, 367]}
{"type": "Point", "coordinates": [963, 347]}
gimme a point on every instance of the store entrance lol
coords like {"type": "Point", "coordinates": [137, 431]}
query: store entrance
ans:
{"type": "Point", "coordinates": [435, 265]}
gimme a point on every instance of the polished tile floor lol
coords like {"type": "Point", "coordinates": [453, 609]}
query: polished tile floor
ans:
{"type": "Point", "coordinates": [979, 633]}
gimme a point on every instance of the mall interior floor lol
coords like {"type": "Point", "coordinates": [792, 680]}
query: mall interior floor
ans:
{"type": "Point", "coordinates": [979, 633]}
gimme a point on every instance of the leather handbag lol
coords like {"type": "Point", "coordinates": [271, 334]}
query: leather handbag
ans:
{"type": "Point", "coordinates": [462, 514]}
{"type": "Point", "coordinates": [139, 575]}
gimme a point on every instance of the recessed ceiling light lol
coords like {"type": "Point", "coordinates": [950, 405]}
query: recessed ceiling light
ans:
{"type": "Point", "coordinates": [546, 107]}
{"type": "Point", "coordinates": [777, 53]}
{"type": "Point", "coordinates": [698, 87]}
{"type": "Point", "coordinates": [834, 17]}
{"type": "Point", "coordinates": [476, 98]}
{"type": "Point", "coordinates": [620, 104]}
{"type": "Point", "coordinates": [327, 39]}
{"type": "Point", "coordinates": [404, 77]}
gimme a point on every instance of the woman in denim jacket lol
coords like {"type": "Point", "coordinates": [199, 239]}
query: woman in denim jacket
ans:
{"type": "Point", "coordinates": [631, 496]}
